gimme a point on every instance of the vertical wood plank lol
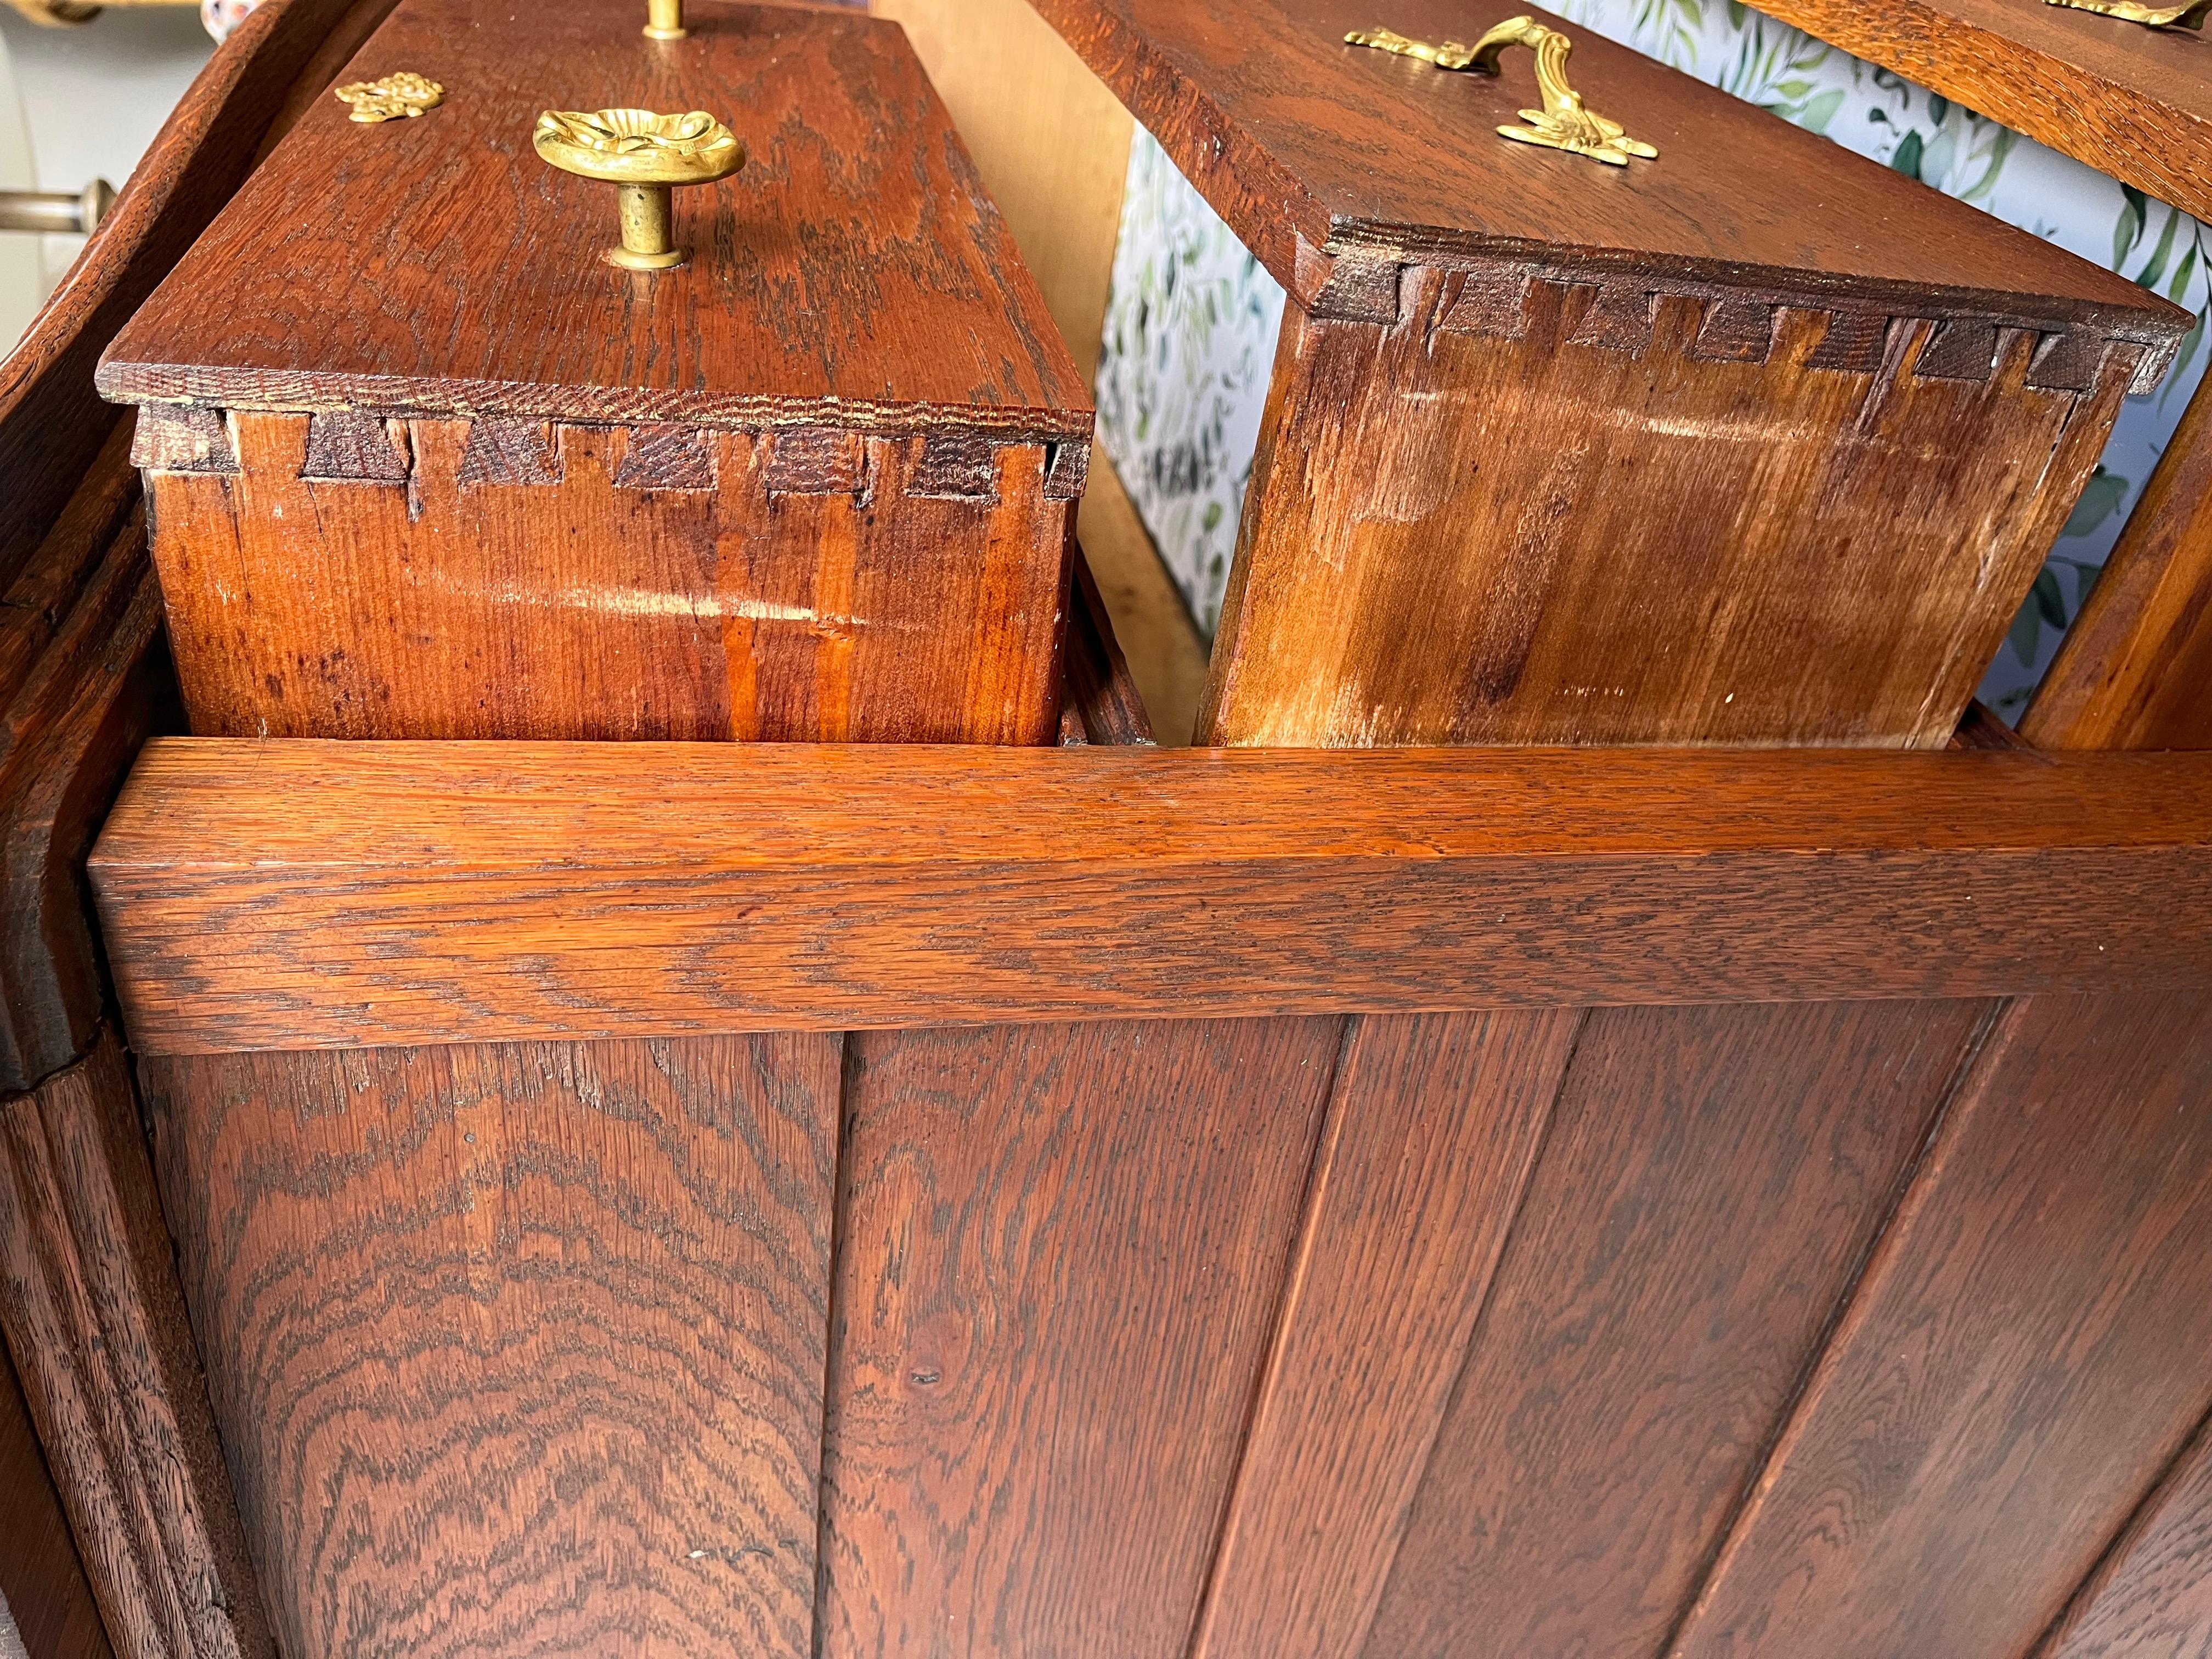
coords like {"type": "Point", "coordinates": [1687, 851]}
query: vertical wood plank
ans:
{"type": "Point", "coordinates": [2025, 1354]}
{"type": "Point", "coordinates": [1712, 1182]}
{"type": "Point", "coordinates": [1431, 1132]}
{"type": "Point", "coordinates": [48, 1603]}
{"type": "Point", "coordinates": [2152, 1599]}
{"type": "Point", "coordinates": [1061, 1252]}
{"type": "Point", "coordinates": [516, 1348]}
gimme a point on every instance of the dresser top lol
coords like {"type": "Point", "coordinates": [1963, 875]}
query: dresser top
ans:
{"type": "Point", "coordinates": [853, 274]}
{"type": "Point", "coordinates": [1295, 138]}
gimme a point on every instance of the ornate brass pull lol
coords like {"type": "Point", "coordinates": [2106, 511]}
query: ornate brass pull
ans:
{"type": "Point", "coordinates": [1564, 122]}
{"type": "Point", "coordinates": [2189, 17]}
{"type": "Point", "coordinates": [646, 156]}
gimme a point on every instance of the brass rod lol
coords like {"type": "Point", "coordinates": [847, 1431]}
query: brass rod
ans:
{"type": "Point", "coordinates": [664, 20]}
{"type": "Point", "coordinates": [56, 212]}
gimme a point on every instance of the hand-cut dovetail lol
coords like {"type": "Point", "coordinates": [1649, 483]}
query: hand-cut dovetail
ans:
{"type": "Point", "coordinates": [1963, 349]}
{"type": "Point", "coordinates": [667, 458]}
{"type": "Point", "coordinates": [1067, 470]}
{"type": "Point", "coordinates": [1855, 340]}
{"type": "Point", "coordinates": [956, 464]}
{"type": "Point", "coordinates": [174, 438]}
{"type": "Point", "coordinates": [345, 445]}
{"type": "Point", "coordinates": [815, 460]}
{"type": "Point", "coordinates": [1619, 318]}
{"type": "Point", "coordinates": [1736, 332]}
{"type": "Point", "coordinates": [2068, 361]}
{"type": "Point", "coordinates": [1360, 289]}
{"type": "Point", "coordinates": [510, 452]}
{"type": "Point", "coordinates": [1493, 302]}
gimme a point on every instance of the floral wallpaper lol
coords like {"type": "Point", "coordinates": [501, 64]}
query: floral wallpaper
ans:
{"type": "Point", "coordinates": [1191, 324]}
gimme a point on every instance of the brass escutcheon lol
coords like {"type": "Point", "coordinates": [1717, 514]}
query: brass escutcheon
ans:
{"type": "Point", "coordinates": [2189, 17]}
{"type": "Point", "coordinates": [1564, 122]}
{"type": "Point", "coordinates": [645, 156]}
{"type": "Point", "coordinates": [403, 95]}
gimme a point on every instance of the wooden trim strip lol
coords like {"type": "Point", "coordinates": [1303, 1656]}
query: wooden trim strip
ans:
{"type": "Point", "coordinates": [302, 895]}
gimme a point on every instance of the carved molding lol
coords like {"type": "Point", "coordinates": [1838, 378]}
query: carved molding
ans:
{"type": "Point", "coordinates": [94, 1320]}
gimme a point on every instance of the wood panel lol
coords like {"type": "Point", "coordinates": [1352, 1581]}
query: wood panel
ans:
{"type": "Point", "coordinates": [1050, 143]}
{"type": "Point", "coordinates": [2151, 1598]}
{"type": "Point", "coordinates": [854, 274]}
{"type": "Point", "coordinates": [1061, 1249]}
{"type": "Point", "coordinates": [2126, 101]}
{"type": "Point", "coordinates": [53, 423]}
{"type": "Point", "coordinates": [2023, 1358]}
{"type": "Point", "coordinates": [304, 896]}
{"type": "Point", "coordinates": [1432, 1129]}
{"type": "Point", "coordinates": [1712, 1182]}
{"type": "Point", "coordinates": [90, 1303]}
{"type": "Point", "coordinates": [579, 602]}
{"type": "Point", "coordinates": [516, 1349]}
{"type": "Point", "coordinates": [46, 1602]}
{"type": "Point", "coordinates": [2133, 670]}
{"type": "Point", "coordinates": [1877, 530]}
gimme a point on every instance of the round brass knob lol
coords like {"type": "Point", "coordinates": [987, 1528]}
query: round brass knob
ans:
{"type": "Point", "coordinates": [645, 156]}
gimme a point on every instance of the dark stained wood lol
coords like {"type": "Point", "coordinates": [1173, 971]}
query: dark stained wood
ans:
{"type": "Point", "coordinates": [516, 1350]}
{"type": "Point", "coordinates": [1295, 138]}
{"type": "Point", "coordinates": [1060, 1250]}
{"type": "Point", "coordinates": [1753, 553]}
{"type": "Point", "coordinates": [65, 745]}
{"type": "Point", "coordinates": [2152, 1599]}
{"type": "Point", "coordinates": [853, 274]}
{"type": "Point", "coordinates": [1431, 1132]}
{"type": "Point", "coordinates": [2022, 1360]}
{"type": "Point", "coordinates": [2134, 669]}
{"type": "Point", "coordinates": [1710, 1186]}
{"type": "Point", "coordinates": [2129, 101]}
{"type": "Point", "coordinates": [53, 423]}
{"type": "Point", "coordinates": [1102, 703]}
{"type": "Point", "coordinates": [43, 1588]}
{"type": "Point", "coordinates": [90, 1303]}
{"type": "Point", "coordinates": [592, 608]}
{"type": "Point", "coordinates": [304, 896]}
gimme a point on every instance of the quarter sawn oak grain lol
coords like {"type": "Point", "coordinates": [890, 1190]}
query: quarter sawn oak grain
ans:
{"type": "Point", "coordinates": [287, 895]}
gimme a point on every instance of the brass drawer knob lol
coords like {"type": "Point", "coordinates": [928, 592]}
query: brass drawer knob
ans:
{"type": "Point", "coordinates": [645, 156]}
{"type": "Point", "coordinates": [664, 20]}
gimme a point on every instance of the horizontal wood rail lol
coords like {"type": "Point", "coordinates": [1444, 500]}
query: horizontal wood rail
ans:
{"type": "Point", "coordinates": [305, 895]}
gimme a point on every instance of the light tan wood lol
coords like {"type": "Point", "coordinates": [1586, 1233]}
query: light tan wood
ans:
{"type": "Point", "coordinates": [1051, 143]}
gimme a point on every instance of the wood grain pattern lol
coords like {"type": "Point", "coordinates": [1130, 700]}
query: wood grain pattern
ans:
{"type": "Point", "coordinates": [2129, 101]}
{"type": "Point", "coordinates": [1296, 138]}
{"type": "Point", "coordinates": [610, 596]}
{"type": "Point", "coordinates": [53, 423]}
{"type": "Point", "coordinates": [1102, 703]}
{"type": "Point", "coordinates": [91, 1306]}
{"type": "Point", "coordinates": [44, 1594]}
{"type": "Point", "coordinates": [854, 274]}
{"type": "Point", "coordinates": [1432, 1129]}
{"type": "Point", "coordinates": [2151, 1598]}
{"type": "Point", "coordinates": [1061, 1249]}
{"type": "Point", "coordinates": [516, 1350]}
{"type": "Point", "coordinates": [1050, 141]}
{"type": "Point", "coordinates": [2132, 671]}
{"type": "Point", "coordinates": [2022, 1360]}
{"type": "Point", "coordinates": [1733, 552]}
{"type": "Point", "coordinates": [303, 895]}
{"type": "Point", "coordinates": [1710, 1184]}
